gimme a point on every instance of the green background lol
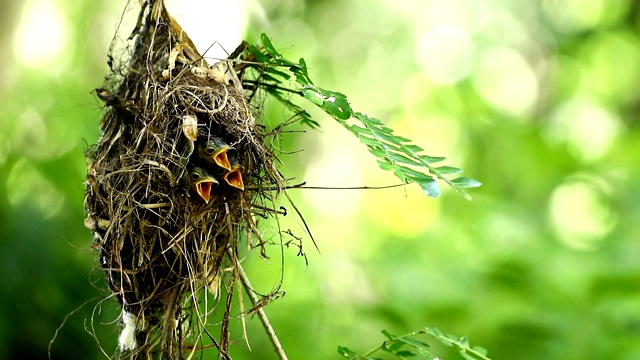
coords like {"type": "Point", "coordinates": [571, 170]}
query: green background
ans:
{"type": "Point", "coordinates": [536, 99]}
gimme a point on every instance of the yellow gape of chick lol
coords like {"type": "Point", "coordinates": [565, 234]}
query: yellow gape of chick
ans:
{"type": "Point", "coordinates": [213, 166]}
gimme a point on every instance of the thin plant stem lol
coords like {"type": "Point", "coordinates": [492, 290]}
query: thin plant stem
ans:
{"type": "Point", "coordinates": [261, 314]}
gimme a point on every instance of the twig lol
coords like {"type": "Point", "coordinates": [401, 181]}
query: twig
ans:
{"type": "Point", "coordinates": [261, 314]}
{"type": "Point", "coordinates": [64, 322]}
{"type": "Point", "coordinates": [303, 185]}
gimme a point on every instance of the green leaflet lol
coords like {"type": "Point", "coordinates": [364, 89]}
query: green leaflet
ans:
{"type": "Point", "coordinates": [394, 153]}
{"type": "Point", "coordinates": [333, 103]}
{"type": "Point", "coordinates": [447, 170]}
{"type": "Point", "coordinates": [465, 182]}
{"type": "Point", "coordinates": [460, 344]}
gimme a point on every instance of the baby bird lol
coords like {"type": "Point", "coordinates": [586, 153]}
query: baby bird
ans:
{"type": "Point", "coordinates": [234, 177]}
{"type": "Point", "coordinates": [214, 151]}
{"type": "Point", "coordinates": [202, 182]}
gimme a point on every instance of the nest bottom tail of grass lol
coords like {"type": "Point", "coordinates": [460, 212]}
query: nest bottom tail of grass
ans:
{"type": "Point", "coordinates": [170, 184]}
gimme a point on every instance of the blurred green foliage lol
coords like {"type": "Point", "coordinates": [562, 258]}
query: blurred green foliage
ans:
{"type": "Point", "coordinates": [536, 99]}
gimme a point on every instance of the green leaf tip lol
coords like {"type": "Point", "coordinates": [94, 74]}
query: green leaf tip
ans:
{"type": "Point", "coordinates": [465, 182]}
{"type": "Point", "coordinates": [430, 188]}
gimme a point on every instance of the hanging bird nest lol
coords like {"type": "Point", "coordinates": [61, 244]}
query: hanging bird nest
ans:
{"type": "Point", "coordinates": [172, 183]}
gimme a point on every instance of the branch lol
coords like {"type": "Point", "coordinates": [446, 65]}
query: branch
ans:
{"type": "Point", "coordinates": [261, 314]}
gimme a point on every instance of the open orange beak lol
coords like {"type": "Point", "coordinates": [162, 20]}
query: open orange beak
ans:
{"type": "Point", "coordinates": [220, 158]}
{"type": "Point", "coordinates": [234, 178]}
{"type": "Point", "coordinates": [204, 188]}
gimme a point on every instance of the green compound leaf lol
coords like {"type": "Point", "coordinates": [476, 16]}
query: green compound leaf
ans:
{"type": "Point", "coordinates": [394, 153]}
{"type": "Point", "coordinates": [401, 347]}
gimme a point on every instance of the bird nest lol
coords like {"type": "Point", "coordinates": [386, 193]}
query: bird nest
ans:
{"type": "Point", "coordinates": [172, 183]}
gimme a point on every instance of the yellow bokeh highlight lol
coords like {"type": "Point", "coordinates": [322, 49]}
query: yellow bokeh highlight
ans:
{"type": "Point", "coordinates": [588, 130]}
{"type": "Point", "coordinates": [612, 62]}
{"type": "Point", "coordinates": [42, 35]}
{"type": "Point", "coordinates": [445, 54]}
{"type": "Point", "coordinates": [580, 214]}
{"type": "Point", "coordinates": [505, 80]}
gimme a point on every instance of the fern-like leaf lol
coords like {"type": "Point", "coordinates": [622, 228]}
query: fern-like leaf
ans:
{"type": "Point", "coordinates": [394, 153]}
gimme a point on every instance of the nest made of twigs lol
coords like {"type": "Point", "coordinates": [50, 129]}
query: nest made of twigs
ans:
{"type": "Point", "coordinates": [164, 210]}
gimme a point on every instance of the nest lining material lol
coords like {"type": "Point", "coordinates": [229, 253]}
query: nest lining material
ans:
{"type": "Point", "coordinates": [165, 209]}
